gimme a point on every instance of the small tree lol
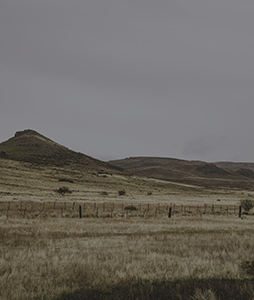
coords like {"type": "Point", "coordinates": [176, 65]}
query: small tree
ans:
{"type": "Point", "coordinates": [247, 204]}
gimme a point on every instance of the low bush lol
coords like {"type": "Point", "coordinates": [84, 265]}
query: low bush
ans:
{"type": "Point", "coordinates": [63, 190]}
{"type": "Point", "coordinates": [247, 204]}
{"type": "Point", "coordinates": [121, 192]}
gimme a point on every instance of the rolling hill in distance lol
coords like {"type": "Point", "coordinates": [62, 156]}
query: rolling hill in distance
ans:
{"type": "Point", "coordinates": [209, 175]}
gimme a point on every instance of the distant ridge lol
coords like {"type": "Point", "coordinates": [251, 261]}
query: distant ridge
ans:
{"type": "Point", "coordinates": [209, 175]}
{"type": "Point", "coordinates": [31, 146]}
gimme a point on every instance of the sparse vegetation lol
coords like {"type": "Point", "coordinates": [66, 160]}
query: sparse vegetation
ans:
{"type": "Point", "coordinates": [149, 193]}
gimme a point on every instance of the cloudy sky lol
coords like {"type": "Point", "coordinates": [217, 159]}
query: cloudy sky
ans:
{"type": "Point", "coordinates": [115, 78]}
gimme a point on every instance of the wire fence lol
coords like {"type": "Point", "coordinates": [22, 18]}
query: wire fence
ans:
{"type": "Point", "coordinates": [81, 209]}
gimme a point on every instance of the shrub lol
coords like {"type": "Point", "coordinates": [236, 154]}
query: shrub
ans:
{"type": "Point", "coordinates": [121, 193]}
{"type": "Point", "coordinates": [104, 193]}
{"type": "Point", "coordinates": [131, 207]}
{"type": "Point", "coordinates": [63, 190]}
{"type": "Point", "coordinates": [247, 204]}
{"type": "Point", "coordinates": [66, 180]}
{"type": "Point", "coordinates": [149, 193]}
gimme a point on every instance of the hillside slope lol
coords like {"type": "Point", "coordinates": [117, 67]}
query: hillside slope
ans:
{"type": "Point", "coordinates": [31, 146]}
{"type": "Point", "coordinates": [199, 173]}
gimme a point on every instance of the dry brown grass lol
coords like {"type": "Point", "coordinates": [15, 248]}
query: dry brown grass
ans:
{"type": "Point", "coordinates": [43, 257]}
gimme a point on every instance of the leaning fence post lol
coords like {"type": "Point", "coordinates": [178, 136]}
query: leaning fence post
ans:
{"type": "Point", "coordinates": [169, 213]}
{"type": "Point", "coordinates": [24, 213]}
{"type": "Point", "coordinates": [80, 212]}
{"type": "Point", "coordinates": [240, 211]}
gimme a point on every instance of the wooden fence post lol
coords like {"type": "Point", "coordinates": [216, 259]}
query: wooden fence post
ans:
{"type": "Point", "coordinates": [240, 211]}
{"type": "Point", "coordinates": [80, 212]}
{"type": "Point", "coordinates": [169, 213]}
{"type": "Point", "coordinates": [103, 206]}
{"type": "Point", "coordinates": [73, 205]}
{"type": "Point", "coordinates": [97, 215]}
{"type": "Point", "coordinates": [7, 212]}
{"type": "Point", "coordinates": [212, 208]}
{"type": "Point", "coordinates": [61, 212]}
{"type": "Point", "coordinates": [55, 205]}
{"type": "Point", "coordinates": [24, 213]}
{"type": "Point", "coordinates": [148, 207]}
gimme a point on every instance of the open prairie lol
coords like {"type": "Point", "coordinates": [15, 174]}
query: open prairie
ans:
{"type": "Point", "coordinates": [72, 227]}
{"type": "Point", "coordinates": [45, 257]}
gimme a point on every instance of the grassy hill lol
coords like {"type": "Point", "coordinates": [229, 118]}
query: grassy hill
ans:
{"type": "Point", "coordinates": [31, 146]}
{"type": "Point", "coordinates": [200, 173]}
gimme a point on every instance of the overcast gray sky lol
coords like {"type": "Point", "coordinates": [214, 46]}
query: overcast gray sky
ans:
{"type": "Point", "coordinates": [115, 78]}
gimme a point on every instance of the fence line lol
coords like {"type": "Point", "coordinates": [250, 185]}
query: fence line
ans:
{"type": "Point", "coordinates": [35, 209]}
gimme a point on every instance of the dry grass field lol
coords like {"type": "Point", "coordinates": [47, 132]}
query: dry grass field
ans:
{"type": "Point", "coordinates": [44, 257]}
{"type": "Point", "coordinates": [56, 255]}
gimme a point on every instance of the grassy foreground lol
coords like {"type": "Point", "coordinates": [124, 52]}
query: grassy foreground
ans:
{"type": "Point", "coordinates": [136, 258]}
{"type": "Point", "coordinates": [191, 289]}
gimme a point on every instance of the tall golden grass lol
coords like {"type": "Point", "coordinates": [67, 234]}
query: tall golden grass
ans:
{"type": "Point", "coordinates": [42, 257]}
